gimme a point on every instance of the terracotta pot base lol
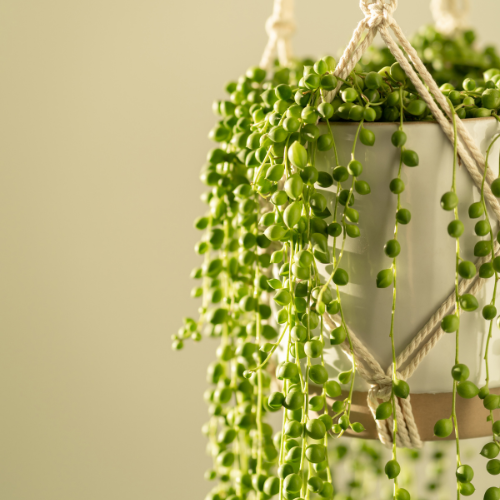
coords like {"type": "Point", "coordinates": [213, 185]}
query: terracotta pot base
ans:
{"type": "Point", "coordinates": [427, 410]}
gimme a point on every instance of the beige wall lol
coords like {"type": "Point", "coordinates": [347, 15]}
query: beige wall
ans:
{"type": "Point", "coordinates": [105, 108]}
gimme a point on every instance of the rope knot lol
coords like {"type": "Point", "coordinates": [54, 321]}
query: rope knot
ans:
{"type": "Point", "coordinates": [382, 385]}
{"type": "Point", "coordinates": [280, 27]}
{"type": "Point", "coordinates": [378, 12]}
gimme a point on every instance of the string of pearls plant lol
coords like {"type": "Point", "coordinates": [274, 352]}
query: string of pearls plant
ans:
{"type": "Point", "coordinates": [266, 230]}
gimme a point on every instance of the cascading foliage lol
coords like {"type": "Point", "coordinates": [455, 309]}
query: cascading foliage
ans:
{"type": "Point", "coordinates": [449, 58]}
{"type": "Point", "coordinates": [266, 229]}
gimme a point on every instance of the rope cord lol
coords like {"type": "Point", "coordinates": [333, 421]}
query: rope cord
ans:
{"type": "Point", "coordinates": [280, 27]}
{"type": "Point", "coordinates": [378, 18]}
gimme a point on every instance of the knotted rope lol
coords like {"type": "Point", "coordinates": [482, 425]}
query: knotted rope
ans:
{"type": "Point", "coordinates": [381, 382]}
{"type": "Point", "coordinates": [381, 387]}
{"type": "Point", "coordinates": [450, 16]}
{"type": "Point", "coordinates": [280, 27]}
{"type": "Point", "coordinates": [378, 18]}
{"type": "Point", "coordinates": [378, 12]}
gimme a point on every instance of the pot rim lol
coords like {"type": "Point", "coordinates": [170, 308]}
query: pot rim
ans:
{"type": "Point", "coordinates": [405, 124]}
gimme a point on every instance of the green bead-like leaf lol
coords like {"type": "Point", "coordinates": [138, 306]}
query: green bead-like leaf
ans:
{"type": "Point", "coordinates": [275, 284]}
{"type": "Point", "coordinates": [358, 427]}
{"type": "Point", "coordinates": [283, 297]}
{"type": "Point", "coordinates": [384, 411]}
{"type": "Point", "coordinates": [338, 336]}
{"type": "Point", "coordinates": [401, 389]}
{"type": "Point", "coordinates": [344, 377]}
{"type": "Point", "coordinates": [297, 154]}
{"type": "Point", "coordinates": [443, 428]}
{"type": "Point", "coordinates": [385, 278]}
{"type": "Point", "coordinates": [292, 214]}
{"type": "Point", "coordinates": [392, 469]}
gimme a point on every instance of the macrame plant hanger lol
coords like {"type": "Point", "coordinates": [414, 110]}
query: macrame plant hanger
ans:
{"type": "Point", "coordinates": [378, 18]}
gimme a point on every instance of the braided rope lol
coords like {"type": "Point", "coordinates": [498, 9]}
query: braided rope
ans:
{"type": "Point", "coordinates": [410, 422]}
{"type": "Point", "coordinates": [351, 63]}
{"type": "Point", "coordinates": [381, 386]}
{"type": "Point", "coordinates": [371, 371]}
{"type": "Point", "coordinates": [470, 163]}
{"type": "Point", "coordinates": [403, 433]}
{"type": "Point", "coordinates": [382, 429]}
{"type": "Point", "coordinates": [420, 351]}
{"type": "Point", "coordinates": [381, 382]}
{"type": "Point", "coordinates": [443, 102]}
{"type": "Point", "coordinates": [280, 27]}
{"type": "Point", "coordinates": [378, 17]}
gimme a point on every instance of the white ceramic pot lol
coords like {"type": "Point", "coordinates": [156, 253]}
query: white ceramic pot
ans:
{"type": "Point", "coordinates": [426, 265]}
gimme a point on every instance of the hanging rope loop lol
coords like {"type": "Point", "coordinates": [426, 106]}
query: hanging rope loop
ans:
{"type": "Point", "coordinates": [280, 27]}
{"type": "Point", "coordinates": [450, 15]}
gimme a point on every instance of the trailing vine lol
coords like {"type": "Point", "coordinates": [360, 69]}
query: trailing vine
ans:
{"type": "Point", "coordinates": [399, 389]}
{"type": "Point", "coordinates": [468, 302]}
{"type": "Point", "coordinates": [451, 324]}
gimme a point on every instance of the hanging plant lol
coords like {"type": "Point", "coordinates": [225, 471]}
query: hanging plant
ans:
{"type": "Point", "coordinates": [276, 234]}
